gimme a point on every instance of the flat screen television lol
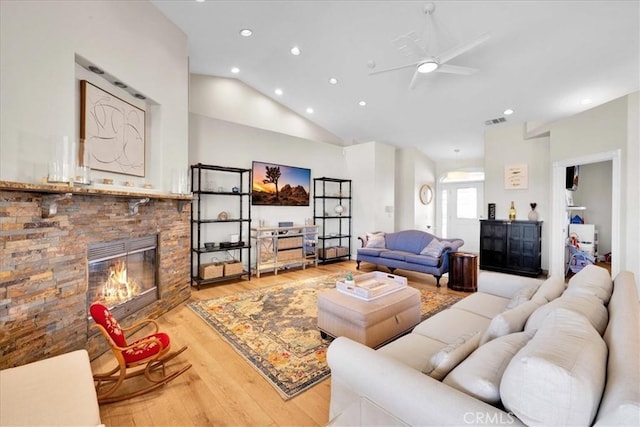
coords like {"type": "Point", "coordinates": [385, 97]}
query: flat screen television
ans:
{"type": "Point", "coordinates": [573, 173]}
{"type": "Point", "coordinates": [279, 185]}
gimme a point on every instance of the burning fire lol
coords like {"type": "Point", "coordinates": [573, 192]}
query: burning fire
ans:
{"type": "Point", "coordinates": [118, 287]}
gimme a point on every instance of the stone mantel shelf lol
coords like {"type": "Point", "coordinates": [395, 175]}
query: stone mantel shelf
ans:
{"type": "Point", "coordinates": [55, 193]}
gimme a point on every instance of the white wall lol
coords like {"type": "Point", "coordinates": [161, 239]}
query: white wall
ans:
{"type": "Point", "coordinates": [39, 41]}
{"type": "Point", "coordinates": [413, 169]}
{"type": "Point", "coordinates": [371, 166]}
{"type": "Point", "coordinates": [233, 101]}
{"type": "Point", "coordinates": [506, 145]}
{"type": "Point", "coordinates": [632, 203]}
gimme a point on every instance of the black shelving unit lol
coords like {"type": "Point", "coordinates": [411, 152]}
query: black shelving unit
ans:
{"type": "Point", "coordinates": [334, 239]}
{"type": "Point", "coordinates": [239, 196]}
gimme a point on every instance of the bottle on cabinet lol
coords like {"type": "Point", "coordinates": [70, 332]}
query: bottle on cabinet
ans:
{"type": "Point", "coordinates": [512, 212]}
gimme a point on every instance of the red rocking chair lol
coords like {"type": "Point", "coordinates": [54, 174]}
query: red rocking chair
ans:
{"type": "Point", "coordinates": [152, 352]}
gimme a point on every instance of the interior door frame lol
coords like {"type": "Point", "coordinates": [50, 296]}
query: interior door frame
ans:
{"type": "Point", "coordinates": [558, 231]}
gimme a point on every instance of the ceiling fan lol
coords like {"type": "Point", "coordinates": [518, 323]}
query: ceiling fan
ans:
{"type": "Point", "coordinates": [409, 44]}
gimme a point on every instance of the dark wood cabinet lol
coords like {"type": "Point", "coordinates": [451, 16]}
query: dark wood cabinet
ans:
{"type": "Point", "coordinates": [511, 246]}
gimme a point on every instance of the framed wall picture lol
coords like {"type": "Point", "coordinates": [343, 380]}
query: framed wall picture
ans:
{"type": "Point", "coordinates": [113, 131]}
{"type": "Point", "coordinates": [516, 177]}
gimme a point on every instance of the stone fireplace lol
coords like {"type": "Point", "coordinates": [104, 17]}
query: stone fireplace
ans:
{"type": "Point", "coordinates": [47, 236]}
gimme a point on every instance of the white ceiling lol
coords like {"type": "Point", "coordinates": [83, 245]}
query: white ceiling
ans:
{"type": "Point", "coordinates": [542, 59]}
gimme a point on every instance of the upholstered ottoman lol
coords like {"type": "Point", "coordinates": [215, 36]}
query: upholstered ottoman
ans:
{"type": "Point", "coordinates": [371, 323]}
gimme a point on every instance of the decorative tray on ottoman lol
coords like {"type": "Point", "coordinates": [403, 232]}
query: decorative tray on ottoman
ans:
{"type": "Point", "coordinates": [370, 286]}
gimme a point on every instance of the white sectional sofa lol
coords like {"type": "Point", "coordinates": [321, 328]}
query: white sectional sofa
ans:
{"type": "Point", "coordinates": [57, 391]}
{"type": "Point", "coordinates": [519, 351]}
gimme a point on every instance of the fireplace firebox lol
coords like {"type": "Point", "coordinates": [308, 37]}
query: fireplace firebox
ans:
{"type": "Point", "coordinates": [123, 274]}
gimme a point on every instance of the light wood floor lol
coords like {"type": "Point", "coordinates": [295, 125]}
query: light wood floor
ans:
{"type": "Point", "coordinates": [222, 389]}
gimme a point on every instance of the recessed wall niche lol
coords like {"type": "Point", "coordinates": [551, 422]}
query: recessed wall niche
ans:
{"type": "Point", "coordinates": [99, 76]}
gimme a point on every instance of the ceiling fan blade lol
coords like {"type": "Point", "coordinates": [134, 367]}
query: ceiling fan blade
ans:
{"type": "Point", "coordinates": [394, 68]}
{"type": "Point", "coordinates": [414, 79]}
{"type": "Point", "coordinates": [448, 55]}
{"type": "Point", "coordinates": [456, 69]}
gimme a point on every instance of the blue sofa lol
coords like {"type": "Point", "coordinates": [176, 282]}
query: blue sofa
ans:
{"type": "Point", "coordinates": [406, 250]}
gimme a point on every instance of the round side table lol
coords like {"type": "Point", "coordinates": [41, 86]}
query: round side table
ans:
{"type": "Point", "coordinates": [463, 272]}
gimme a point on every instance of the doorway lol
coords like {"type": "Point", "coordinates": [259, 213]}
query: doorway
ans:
{"type": "Point", "coordinates": [459, 215]}
{"type": "Point", "coordinates": [559, 225]}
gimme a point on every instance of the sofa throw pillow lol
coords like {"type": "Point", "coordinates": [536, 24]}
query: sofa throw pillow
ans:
{"type": "Point", "coordinates": [591, 280]}
{"type": "Point", "coordinates": [375, 240]}
{"type": "Point", "coordinates": [435, 248]}
{"type": "Point", "coordinates": [550, 289]}
{"type": "Point", "coordinates": [589, 306]}
{"type": "Point", "coordinates": [449, 357]}
{"type": "Point", "coordinates": [523, 295]}
{"type": "Point", "coordinates": [563, 367]}
{"type": "Point", "coordinates": [509, 321]}
{"type": "Point", "coordinates": [479, 374]}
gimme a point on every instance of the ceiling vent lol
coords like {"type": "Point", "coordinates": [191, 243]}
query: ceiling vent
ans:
{"type": "Point", "coordinates": [495, 121]}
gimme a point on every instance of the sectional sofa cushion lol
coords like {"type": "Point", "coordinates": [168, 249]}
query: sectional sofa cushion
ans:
{"type": "Point", "coordinates": [558, 377]}
{"type": "Point", "coordinates": [589, 306]}
{"type": "Point", "coordinates": [413, 350]}
{"type": "Point", "coordinates": [450, 356]}
{"type": "Point", "coordinates": [550, 289]}
{"type": "Point", "coordinates": [509, 321]}
{"type": "Point", "coordinates": [448, 325]}
{"type": "Point", "coordinates": [479, 374]}
{"type": "Point", "coordinates": [485, 305]}
{"type": "Point", "coordinates": [595, 282]}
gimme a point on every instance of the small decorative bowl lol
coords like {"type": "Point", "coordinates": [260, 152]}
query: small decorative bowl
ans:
{"type": "Point", "coordinates": [209, 245]}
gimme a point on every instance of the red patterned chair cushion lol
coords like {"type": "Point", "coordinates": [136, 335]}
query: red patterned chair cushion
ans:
{"type": "Point", "coordinates": [102, 316]}
{"type": "Point", "coordinates": [145, 350]}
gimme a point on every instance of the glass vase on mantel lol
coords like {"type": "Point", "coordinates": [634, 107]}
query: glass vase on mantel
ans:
{"type": "Point", "coordinates": [533, 214]}
{"type": "Point", "coordinates": [61, 160]}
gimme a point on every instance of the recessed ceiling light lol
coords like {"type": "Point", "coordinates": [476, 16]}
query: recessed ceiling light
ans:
{"type": "Point", "coordinates": [140, 96]}
{"type": "Point", "coordinates": [95, 69]}
{"type": "Point", "coordinates": [246, 32]}
{"type": "Point", "coordinates": [235, 70]}
{"type": "Point", "coordinates": [333, 81]}
{"type": "Point", "coordinates": [120, 85]}
{"type": "Point", "coordinates": [309, 110]}
{"type": "Point", "coordinates": [586, 101]}
{"type": "Point", "coordinates": [295, 51]}
{"type": "Point", "coordinates": [278, 92]}
{"type": "Point", "coordinates": [508, 112]}
{"type": "Point", "coordinates": [199, 1]}
{"type": "Point", "coordinates": [362, 103]}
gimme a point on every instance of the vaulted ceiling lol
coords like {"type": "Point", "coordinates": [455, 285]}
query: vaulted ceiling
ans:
{"type": "Point", "coordinates": [543, 60]}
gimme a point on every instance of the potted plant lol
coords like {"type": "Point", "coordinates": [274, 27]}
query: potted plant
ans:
{"type": "Point", "coordinates": [348, 279]}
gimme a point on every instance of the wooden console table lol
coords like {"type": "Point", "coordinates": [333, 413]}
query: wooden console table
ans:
{"type": "Point", "coordinates": [463, 272]}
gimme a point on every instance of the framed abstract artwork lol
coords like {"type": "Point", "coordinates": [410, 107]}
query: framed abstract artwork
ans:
{"type": "Point", "coordinates": [113, 131]}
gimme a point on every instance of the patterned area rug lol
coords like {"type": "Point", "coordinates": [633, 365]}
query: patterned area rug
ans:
{"type": "Point", "coordinates": [275, 329]}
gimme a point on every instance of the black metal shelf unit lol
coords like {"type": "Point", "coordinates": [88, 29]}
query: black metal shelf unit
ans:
{"type": "Point", "coordinates": [203, 194]}
{"type": "Point", "coordinates": [332, 208]}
